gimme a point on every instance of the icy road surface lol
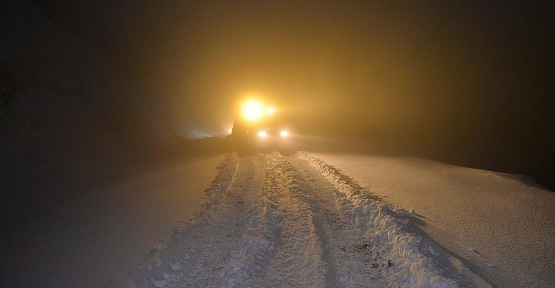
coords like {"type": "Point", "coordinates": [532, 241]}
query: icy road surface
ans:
{"type": "Point", "coordinates": [293, 221]}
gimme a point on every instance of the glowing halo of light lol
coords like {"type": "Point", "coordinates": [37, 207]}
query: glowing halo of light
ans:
{"type": "Point", "coordinates": [252, 110]}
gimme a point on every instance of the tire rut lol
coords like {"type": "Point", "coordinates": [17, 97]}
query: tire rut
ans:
{"type": "Point", "coordinates": [283, 223]}
{"type": "Point", "coordinates": [298, 260]}
{"type": "Point", "coordinates": [212, 249]}
{"type": "Point", "coordinates": [348, 252]}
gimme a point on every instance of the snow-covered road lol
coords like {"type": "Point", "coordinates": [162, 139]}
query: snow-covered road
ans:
{"type": "Point", "coordinates": [502, 225]}
{"type": "Point", "coordinates": [293, 221]}
{"type": "Point", "coordinates": [276, 220]}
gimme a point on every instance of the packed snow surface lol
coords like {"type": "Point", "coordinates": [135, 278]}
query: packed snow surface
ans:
{"type": "Point", "coordinates": [294, 221]}
{"type": "Point", "coordinates": [501, 226]}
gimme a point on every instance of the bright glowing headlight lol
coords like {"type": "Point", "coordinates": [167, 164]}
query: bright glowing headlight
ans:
{"type": "Point", "coordinates": [252, 110]}
{"type": "Point", "coordinates": [262, 134]}
{"type": "Point", "coordinates": [283, 133]}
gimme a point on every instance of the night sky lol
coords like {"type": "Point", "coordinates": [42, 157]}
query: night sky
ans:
{"type": "Point", "coordinates": [455, 80]}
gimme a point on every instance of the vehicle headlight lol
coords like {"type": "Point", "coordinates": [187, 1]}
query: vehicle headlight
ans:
{"type": "Point", "coordinates": [283, 133]}
{"type": "Point", "coordinates": [252, 111]}
{"type": "Point", "coordinates": [262, 134]}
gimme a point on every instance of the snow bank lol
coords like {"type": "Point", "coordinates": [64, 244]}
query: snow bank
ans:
{"type": "Point", "coordinates": [408, 265]}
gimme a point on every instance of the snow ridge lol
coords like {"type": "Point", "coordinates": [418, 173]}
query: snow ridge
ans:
{"type": "Point", "coordinates": [408, 265]}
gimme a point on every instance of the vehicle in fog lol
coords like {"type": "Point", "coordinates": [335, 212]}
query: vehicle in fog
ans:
{"type": "Point", "coordinates": [259, 126]}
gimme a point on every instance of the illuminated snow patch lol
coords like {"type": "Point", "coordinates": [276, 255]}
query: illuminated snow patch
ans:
{"type": "Point", "coordinates": [388, 229]}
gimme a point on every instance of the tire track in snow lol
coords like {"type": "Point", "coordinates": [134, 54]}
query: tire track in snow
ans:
{"type": "Point", "coordinates": [213, 251]}
{"type": "Point", "coordinates": [353, 259]}
{"type": "Point", "coordinates": [298, 260]}
{"type": "Point", "coordinates": [392, 237]}
{"type": "Point", "coordinates": [275, 221]}
{"type": "Point", "coordinates": [202, 255]}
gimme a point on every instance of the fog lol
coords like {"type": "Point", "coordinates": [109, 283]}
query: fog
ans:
{"type": "Point", "coordinates": [463, 82]}
{"type": "Point", "coordinates": [468, 83]}
{"type": "Point", "coordinates": [358, 65]}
